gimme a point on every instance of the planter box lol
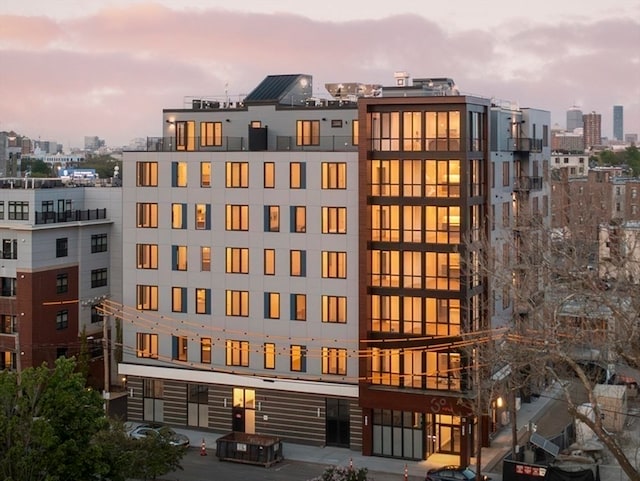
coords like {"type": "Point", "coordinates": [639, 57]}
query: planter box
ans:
{"type": "Point", "coordinates": [249, 449]}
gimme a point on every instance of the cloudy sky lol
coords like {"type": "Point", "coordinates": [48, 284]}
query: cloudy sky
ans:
{"type": "Point", "coordinates": [71, 68]}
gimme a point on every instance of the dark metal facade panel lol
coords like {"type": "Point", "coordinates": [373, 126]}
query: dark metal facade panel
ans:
{"type": "Point", "coordinates": [272, 88]}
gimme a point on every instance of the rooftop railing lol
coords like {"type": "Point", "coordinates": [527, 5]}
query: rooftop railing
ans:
{"type": "Point", "coordinates": [70, 216]}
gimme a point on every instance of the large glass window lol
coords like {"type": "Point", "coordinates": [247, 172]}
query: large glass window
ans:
{"type": "Point", "coordinates": [443, 317]}
{"type": "Point", "coordinates": [385, 223]}
{"type": "Point", "coordinates": [146, 214]}
{"type": "Point", "coordinates": [385, 178]}
{"type": "Point", "coordinates": [147, 256]}
{"type": "Point", "coordinates": [442, 130]}
{"type": "Point", "coordinates": [442, 270]}
{"type": "Point", "coordinates": [443, 371]}
{"type": "Point", "coordinates": [178, 174]}
{"type": "Point", "coordinates": [147, 297]}
{"type": "Point", "coordinates": [237, 303]}
{"type": "Point", "coordinates": [198, 405]}
{"type": "Point", "coordinates": [334, 175]}
{"type": "Point", "coordinates": [146, 174]}
{"type": "Point", "coordinates": [298, 358]}
{"type": "Point", "coordinates": [334, 265]}
{"type": "Point", "coordinates": [385, 131]}
{"type": "Point", "coordinates": [411, 131]}
{"type": "Point", "coordinates": [385, 366]}
{"type": "Point", "coordinates": [237, 174]}
{"type": "Point", "coordinates": [237, 217]}
{"type": "Point", "coordinates": [179, 258]}
{"type": "Point", "coordinates": [443, 224]}
{"type": "Point", "coordinates": [334, 309]}
{"type": "Point", "coordinates": [385, 268]}
{"type": "Point", "coordinates": [237, 353]}
{"type": "Point", "coordinates": [385, 313]}
{"type": "Point", "coordinates": [205, 350]}
{"type": "Point", "coordinates": [210, 134]}
{"type": "Point", "coordinates": [147, 345]}
{"type": "Point", "coordinates": [308, 132]}
{"type": "Point", "coordinates": [237, 260]}
{"type": "Point", "coordinates": [334, 361]}
{"type": "Point", "coordinates": [334, 220]}
{"type": "Point", "coordinates": [442, 178]}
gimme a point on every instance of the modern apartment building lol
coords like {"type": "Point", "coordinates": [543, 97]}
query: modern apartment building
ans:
{"type": "Point", "coordinates": [60, 258]}
{"type": "Point", "coordinates": [307, 268]}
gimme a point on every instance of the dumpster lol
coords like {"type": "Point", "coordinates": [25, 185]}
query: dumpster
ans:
{"type": "Point", "coordinates": [249, 448]}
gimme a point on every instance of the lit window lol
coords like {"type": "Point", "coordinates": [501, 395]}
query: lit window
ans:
{"type": "Point", "coordinates": [178, 216]}
{"type": "Point", "coordinates": [237, 174]}
{"type": "Point", "coordinates": [355, 134]}
{"type": "Point", "coordinates": [442, 130]}
{"type": "Point", "coordinates": [146, 174]}
{"type": "Point", "coordinates": [269, 355]}
{"type": "Point", "coordinates": [385, 268]}
{"type": "Point", "coordinates": [298, 307]}
{"type": "Point", "coordinates": [334, 265]}
{"type": "Point", "coordinates": [443, 317]}
{"type": "Point", "coordinates": [203, 216]}
{"type": "Point", "coordinates": [146, 214]}
{"type": "Point", "coordinates": [385, 178]}
{"type": "Point", "coordinates": [297, 175]}
{"type": "Point", "coordinates": [203, 301]}
{"type": "Point", "coordinates": [179, 299]}
{"type": "Point", "coordinates": [179, 258]}
{"type": "Point", "coordinates": [179, 348]}
{"type": "Point", "coordinates": [237, 260]}
{"type": "Point", "coordinates": [308, 132]}
{"type": "Point", "coordinates": [334, 361]}
{"type": "Point", "coordinates": [269, 175]}
{"type": "Point", "coordinates": [385, 313]}
{"type": "Point", "coordinates": [334, 309]}
{"type": "Point", "coordinates": [237, 353]}
{"type": "Point", "coordinates": [334, 175]}
{"type": "Point", "coordinates": [334, 220]}
{"type": "Point", "coordinates": [147, 297]}
{"type": "Point", "coordinates": [298, 217]}
{"type": "Point", "coordinates": [442, 178]}
{"type": "Point", "coordinates": [205, 258]}
{"type": "Point", "coordinates": [205, 174]}
{"type": "Point", "coordinates": [442, 270]}
{"type": "Point", "coordinates": [237, 217]}
{"type": "Point", "coordinates": [237, 303]}
{"type": "Point", "coordinates": [269, 262]}
{"type": "Point", "coordinates": [271, 218]}
{"type": "Point", "coordinates": [205, 350]}
{"type": "Point", "coordinates": [272, 305]}
{"type": "Point", "coordinates": [147, 256]}
{"type": "Point", "coordinates": [298, 263]}
{"type": "Point", "coordinates": [178, 174]}
{"type": "Point", "coordinates": [298, 358]}
{"type": "Point", "coordinates": [147, 345]}
{"type": "Point", "coordinates": [210, 134]}
{"type": "Point", "coordinates": [385, 366]}
{"type": "Point", "coordinates": [443, 224]}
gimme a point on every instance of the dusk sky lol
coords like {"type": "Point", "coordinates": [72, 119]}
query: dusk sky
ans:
{"type": "Point", "coordinates": [74, 68]}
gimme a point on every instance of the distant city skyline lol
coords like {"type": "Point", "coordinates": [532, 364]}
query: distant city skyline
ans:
{"type": "Point", "coordinates": [108, 68]}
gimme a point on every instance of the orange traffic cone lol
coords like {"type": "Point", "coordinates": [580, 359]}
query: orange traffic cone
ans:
{"type": "Point", "coordinates": [203, 448]}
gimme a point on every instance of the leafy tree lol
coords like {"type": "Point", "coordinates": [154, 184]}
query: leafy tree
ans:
{"type": "Point", "coordinates": [154, 456]}
{"type": "Point", "coordinates": [339, 473]}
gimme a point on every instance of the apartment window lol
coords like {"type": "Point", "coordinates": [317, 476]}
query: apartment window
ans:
{"type": "Point", "coordinates": [147, 256]}
{"type": "Point", "coordinates": [385, 366]}
{"type": "Point", "coordinates": [62, 319]}
{"type": "Point", "coordinates": [334, 361]}
{"type": "Point", "coordinates": [8, 286]}
{"type": "Point", "coordinates": [297, 175]}
{"type": "Point", "coordinates": [1, 209]}
{"type": "Point", "coordinates": [147, 297]}
{"type": "Point", "coordinates": [385, 130]}
{"type": "Point", "coordinates": [146, 215]}
{"type": "Point", "coordinates": [62, 283]}
{"type": "Point", "coordinates": [505, 174]}
{"type": "Point", "coordinates": [272, 305]}
{"type": "Point", "coordinates": [237, 303]}
{"type": "Point", "coordinates": [210, 134]}
{"type": "Point", "coordinates": [203, 216]}
{"type": "Point", "coordinates": [179, 299]}
{"type": "Point", "coordinates": [269, 355]}
{"type": "Point", "coordinates": [62, 247]}
{"type": "Point", "coordinates": [385, 178]}
{"type": "Point", "coordinates": [355, 133]}
{"type": "Point", "coordinates": [178, 174]}
{"type": "Point", "coordinates": [442, 130]}
{"type": "Point", "coordinates": [179, 258]}
{"type": "Point", "coordinates": [443, 224]}
{"type": "Point", "coordinates": [334, 220]}
{"type": "Point", "coordinates": [237, 353]}
{"type": "Point", "coordinates": [98, 243]}
{"type": "Point", "coordinates": [185, 135]}
{"type": "Point", "coordinates": [9, 248]}
{"type": "Point", "coordinates": [269, 262]}
{"type": "Point", "coordinates": [334, 309]}
{"type": "Point", "coordinates": [237, 174]}
{"type": "Point", "coordinates": [297, 263]}
{"type": "Point", "coordinates": [178, 216]}
{"type": "Point", "coordinates": [298, 307]}
{"type": "Point", "coordinates": [442, 178]}
{"type": "Point", "coordinates": [298, 358]}
{"type": "Point", "coordinates": [146, 174]}
{"type": "Point", "coordinates": [7, 324]}
{"type": "Point", "coordinates": [334, 175]}
{"type": "Point", "coordinates": [442, 270]}
{"type": "Point", "coordinates": [237, 217]}
{"type": "Point", "coordinates": [298, 218]}
{"type": "Point", "coordinates": [147, 345]}
{"type": "Point", "coordinates": [443, 317]}
{"type": "Point", "coordinates": [18, 210]}
{"type": "Point", "coordinates": [99, 277]}
{"type": "Point", "coordinates": [385, 313]}
{"type": "Point", "coordinates": [506, 214]}
{"type": "Point", "coordinates": [271, 218]}
{"type": "Point", "coordinates": [334, 265]}
{"type": "Point", "coordinates": [237, 260]}
{"type": "Point", "coordinates": [269, 175]}
{"type": "Point", "coordinates": [205, 258]}
{"type": "Point", "coordinates": [205, 174]}
{"type": "Point", "coordinates": [205, 350]}
{"type": "Point", "coordinates": [203, 301]}
{"type": "Point", "coordinates": [308, 132]}
{"type": "Point", "coordinates": [385, 268]}
{"type": "Point", "coordinates": [385, 223]}
{"type": "Point", "coordinates": [179, 345]}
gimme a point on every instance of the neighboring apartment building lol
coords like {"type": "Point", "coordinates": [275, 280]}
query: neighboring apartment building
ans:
{"type": "Point", "coordinates": [60, 257]}
{"type": "Point", "coordinates": [577, 165]}
{"type": "Point", "coordinates": [567, 141]}
{"type": "Point", "coordinates": [296, 266]}
{"type": "Point", "coordinates": [592, 130]}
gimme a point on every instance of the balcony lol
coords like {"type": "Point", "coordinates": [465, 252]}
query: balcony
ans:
{"type": "Point", "coordinates": [524, 145]}
{"type": "Point", "coordinates": [70, 216]}
{"type": "Point", "coordinates": [280, 143]}
{"type": "Point", "coordinates": [526, 184]}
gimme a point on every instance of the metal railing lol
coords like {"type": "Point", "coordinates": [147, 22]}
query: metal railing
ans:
{"type": "Point", "coordinates": [329, 143]}
{"type": "Point", "coordinates": [70, 216]}
{"type": "Point", "coordinates": [526, 183]}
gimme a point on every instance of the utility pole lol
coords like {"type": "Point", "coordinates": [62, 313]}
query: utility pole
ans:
{"type": "Point", "coordinates": [105, 356]}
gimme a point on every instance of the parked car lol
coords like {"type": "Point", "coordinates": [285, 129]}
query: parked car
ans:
{"type": "Point", "coordinates": [454, 473]}
{"type": "Point", "coordinates": [156, 429]}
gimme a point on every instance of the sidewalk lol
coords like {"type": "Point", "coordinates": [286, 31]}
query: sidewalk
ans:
{"type": "Point", "coordinates": [394, 469]}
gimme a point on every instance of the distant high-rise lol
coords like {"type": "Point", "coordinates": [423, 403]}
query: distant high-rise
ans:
{"type": "Point", "coordinates": [574, 118]}
{"type": "Point", "coordinates": [618, 122]}
{"type": "Point", "coordinates": [592, 129]}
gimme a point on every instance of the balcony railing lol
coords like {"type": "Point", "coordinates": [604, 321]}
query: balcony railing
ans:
{"type": "Point", "coordinates": [526, 183]}
{"type": "Point", "coordinates": [70, 216]}
{"type": "Point", "coordinates": [524, 145]}
{"type": "Point", "coordinates": [329, 143]}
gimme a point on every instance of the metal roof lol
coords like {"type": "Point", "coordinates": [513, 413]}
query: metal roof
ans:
{"type": "Point", "coordinates": [273, 88]}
